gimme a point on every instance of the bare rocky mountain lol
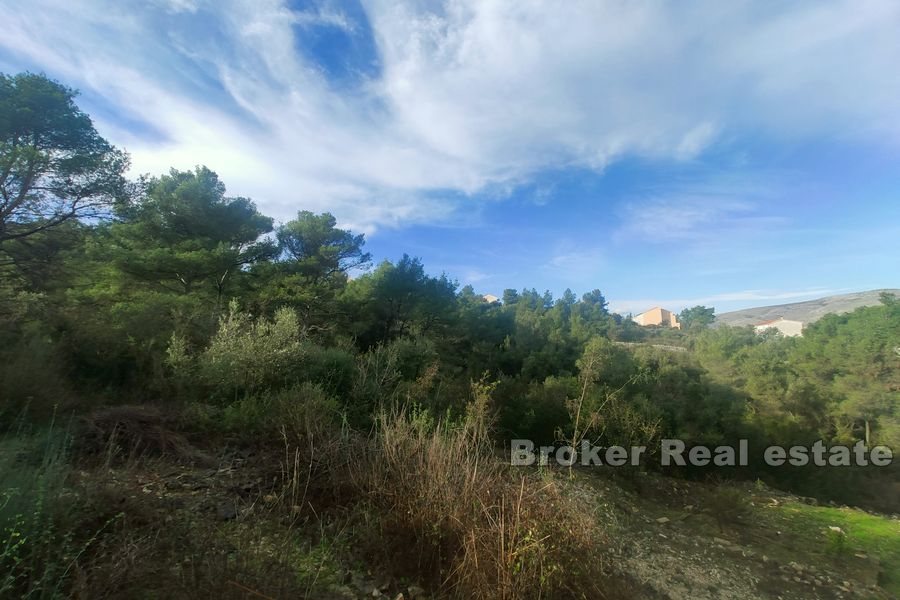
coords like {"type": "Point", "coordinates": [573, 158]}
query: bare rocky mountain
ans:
{"type": "Point", "coordinates": [807, 311]}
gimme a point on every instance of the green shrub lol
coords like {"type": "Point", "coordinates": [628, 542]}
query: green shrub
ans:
{"type": "Point", "coordinates": [32, 378]}
{"type": "Point", "coordinates": [292, 410]}
{"type": "Point", "coordinates": [244, 356]}
{"type": "Point", "coordinates": [537, 412]}
{"type": "Point", "coordinates": [334, 369]}
{"type": "Point", "coordinates": [727, 505]}
{"type": "Point", "coordinates": [377, 377]}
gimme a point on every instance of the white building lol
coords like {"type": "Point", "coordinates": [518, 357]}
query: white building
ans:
{"type": "Point", "coordinates": [787, 327]}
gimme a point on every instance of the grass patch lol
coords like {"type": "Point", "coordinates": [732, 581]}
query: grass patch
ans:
{"type": "Point", "coordinates": [876, 536]}
{"type": "Point", "coordinates": [41, 536]}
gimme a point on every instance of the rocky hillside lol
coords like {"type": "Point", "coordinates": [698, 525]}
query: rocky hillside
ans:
{"type": "Point", "coordinates": [806, 312]}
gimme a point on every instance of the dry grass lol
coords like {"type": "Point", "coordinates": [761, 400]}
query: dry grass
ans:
{"type": "Point", "coordinates": [130, 432]}
{"type": "Point", "coordinates": [454, 516]}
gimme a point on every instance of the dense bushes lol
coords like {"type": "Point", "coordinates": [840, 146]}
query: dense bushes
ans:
{"type": "Point", "coordinates": [34, 379]}
{"type": "Point", "coordinates": [244, 356]}
{"type": "Point", "coordinates": [733, 385]}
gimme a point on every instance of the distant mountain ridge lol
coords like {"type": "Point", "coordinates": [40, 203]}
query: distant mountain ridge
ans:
{"type": "Point", "coordinates": [807, 311]}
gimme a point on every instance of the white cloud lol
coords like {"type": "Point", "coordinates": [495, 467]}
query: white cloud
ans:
{"type": "Point", "coordinates": [679, 218]}
{"type": "Point", "coordinates": [702, 223]}
{"type": "Point", "coordinates": [471, 94]}
{"type": "Point", "coordinates": [708, 211]}
{"type": "Point", "coordinates": [696, 140]}
{"type": "Point", "coordinates": [473, 275]}
{"type": "Point", "coordinates": [571, 261]}
{"type": "Point", "coordinates": [323, 15]}
{"type": "Point", "coordinates": [177, 6]}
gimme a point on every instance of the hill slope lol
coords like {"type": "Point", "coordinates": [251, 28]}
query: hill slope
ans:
{"type": "Point", "coordinates": [807, 312]}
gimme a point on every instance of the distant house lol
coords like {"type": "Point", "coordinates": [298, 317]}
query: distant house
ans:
{"type": "Point", "coordinates": [657, 316]}
{"type": "Point", "coordinates": [490, 298]}
{"type": "Point", "coordinates": [787, 327]}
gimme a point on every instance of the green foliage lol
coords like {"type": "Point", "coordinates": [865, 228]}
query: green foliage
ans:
{"type": "Point", "coordinates": [377, 383]}
{"type": "Point", "coordinates": [854, 357]}
{"type": "Point", "coordinates": [54, 165]}
{"type": "Point", "coordinates": [291, 410]}
{"type": "Point", "coordinates": [33, 377]}
{"type": "Point", "coordinates": [602, 409]}
{"type": "Point", "coordinates": [536, 411]}
{"type": "Point", "coordinates": [837, 382]}
{"type": "Point", "coordinates": [27, 530]}
{"type": "Point", "coordinates": [245, 355]}
{"type": "Point", "coordinates": [586, 402]}
{"type": "Point", "coordinates": [311, 269]}
{"type": "Point", "coordinates": [333, 368]}
{"type": "Point", "coordinates": [836, 541]}
{"type": "Point", "coordinates": [401, 300]}
{"type": "Point", "coordinates": [39, 539]}
{"type": "Point", "coordinates": [318, 250]}
{"type": "Point", "coordinates": [186, 236]}
{"type": "Point", "coordinates": [697, 317]}
{"type": "Point", "coordinates": [876, 535]}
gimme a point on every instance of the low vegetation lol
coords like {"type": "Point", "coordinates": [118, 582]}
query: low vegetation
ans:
{"type": "Point", "coordinates": [843, 534]}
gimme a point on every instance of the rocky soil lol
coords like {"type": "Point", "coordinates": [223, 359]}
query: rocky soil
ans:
{"type": "Point", "coordinates": [669, 543]}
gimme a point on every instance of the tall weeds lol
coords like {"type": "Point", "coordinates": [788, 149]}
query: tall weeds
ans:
{"type": "Point", "coordinates": [39, 548]}
{"type": "Point", "coordinates": [445, 506]}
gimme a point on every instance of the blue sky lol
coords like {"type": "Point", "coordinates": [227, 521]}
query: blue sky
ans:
{"type": "Point", "coordinates": [722, 153]}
